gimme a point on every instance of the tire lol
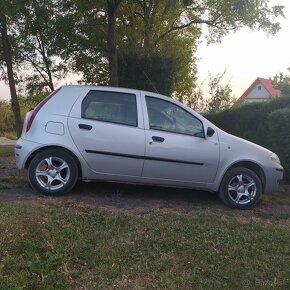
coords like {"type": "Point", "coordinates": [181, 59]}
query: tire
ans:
{"type": "Point", "coordinates": [53, 172]}
{"type": "Point", "coordinates": [241, 188]}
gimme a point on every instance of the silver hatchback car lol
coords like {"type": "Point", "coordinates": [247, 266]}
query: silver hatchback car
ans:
{"type": "Point", "coordinates": [132, 136]}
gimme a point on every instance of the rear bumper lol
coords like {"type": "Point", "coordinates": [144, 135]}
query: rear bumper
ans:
{"type": "Point", "coordinates": [22, 150]}
{"type": "Point", "coordinates": [273, 178]}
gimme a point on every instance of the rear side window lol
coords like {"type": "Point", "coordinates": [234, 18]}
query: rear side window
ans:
{"type": "Point", "coordinates": [113, 107]}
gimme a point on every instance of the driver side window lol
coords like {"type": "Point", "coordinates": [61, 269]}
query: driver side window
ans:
{"type": "Point", "coordinates": [166, 116]}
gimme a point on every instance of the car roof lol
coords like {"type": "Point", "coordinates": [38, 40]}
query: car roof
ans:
{"type": "Point", "coordinates": [133, 91]}
{"type": "Point", "coordinates": [90, 87]}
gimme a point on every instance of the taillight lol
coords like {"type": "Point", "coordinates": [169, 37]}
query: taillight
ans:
{"type": "Point", "coordinates": [38, 107]}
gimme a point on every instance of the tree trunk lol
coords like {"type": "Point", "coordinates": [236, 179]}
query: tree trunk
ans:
{"type": "Point", "coordinates": [147, 26]}
{"type": "Point", "coordinates": [50, 81]}
{"type": "Point", "coordinates": [9, 65]}
{"type": "Point", "coordinates": [111, 42]}
{"type": "Point", "coordinates": [47, 65]}
{"type": "Point", "coordinates": [147, 34]}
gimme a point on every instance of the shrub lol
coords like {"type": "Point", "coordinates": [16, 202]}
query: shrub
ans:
{"type": "Point", "coordinates": [266, 123]}
{"type": "Point", "coordinates": [7, 118]}
{"type": "Point", "coordinates": [32, 101]}
{"type": "Point", "coordinates": [279, 129]}
{"type": "Point", "coordinates": [7, 123]}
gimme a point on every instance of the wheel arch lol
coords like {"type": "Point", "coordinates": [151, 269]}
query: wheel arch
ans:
{"type": "Point", "coordinates": [249, 165]}
{"type": "Point", "coordinates": [55, 147]}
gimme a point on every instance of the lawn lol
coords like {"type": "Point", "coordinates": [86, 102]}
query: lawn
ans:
{"type": "Point", "coordinates": [63, 245]}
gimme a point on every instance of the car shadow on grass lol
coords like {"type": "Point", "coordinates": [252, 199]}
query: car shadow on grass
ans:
{"type": "Point", "coordinates": [130, 196]}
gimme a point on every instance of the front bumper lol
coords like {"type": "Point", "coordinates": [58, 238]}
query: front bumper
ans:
{"type": "Point", "coordinates": [273, 178]}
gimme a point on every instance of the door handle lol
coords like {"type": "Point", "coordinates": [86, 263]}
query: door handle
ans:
{"type": "Point", "coordinates": [158, 139]}
{"type": "Point", "coordinates": [85, 127]}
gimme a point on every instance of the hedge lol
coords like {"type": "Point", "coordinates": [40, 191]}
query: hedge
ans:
{"type": "Point", "coordinates": [265, 123]}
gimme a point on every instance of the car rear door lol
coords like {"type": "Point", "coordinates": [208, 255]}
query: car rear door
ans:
{"type": "Point", "coordinates": [176, 146]}
{"type": "Point", "coordinates": [107, 127]}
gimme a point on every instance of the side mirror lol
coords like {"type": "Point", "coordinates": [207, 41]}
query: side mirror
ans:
{"type": "Point", "coordinates": [210, 131]}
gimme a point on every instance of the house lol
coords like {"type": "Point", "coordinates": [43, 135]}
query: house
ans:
{"type": "Point", "coordinates": [260, 90]}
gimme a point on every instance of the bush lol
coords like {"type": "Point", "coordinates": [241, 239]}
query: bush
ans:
{"type": "Point", "coordinates": [266, 124]}
{"type": "Point", "coordinates": [148, 72]}
{"type": "Point", "coordinates": [7, 124]}
{"type": "Point", "coordinates": [279, 125]}
{"type": "Point", "coordinates": [32, 101]}
{"type": "Point", "coordinates": [7, 118]}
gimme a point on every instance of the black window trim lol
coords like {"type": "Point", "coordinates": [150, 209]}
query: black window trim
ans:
{"type": "Point", "coordinates": [179, 133]}
{"type": "Point", "coordinates": [112, 122]}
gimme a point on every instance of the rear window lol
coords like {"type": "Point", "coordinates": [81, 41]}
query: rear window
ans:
{"type": "Point", "coordinates": [113, 107]}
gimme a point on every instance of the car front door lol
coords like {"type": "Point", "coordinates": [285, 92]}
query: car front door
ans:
{"type": "Point", "coordinates": [176, 146]}
{"type": "Point", "coordinates": [107, 127]}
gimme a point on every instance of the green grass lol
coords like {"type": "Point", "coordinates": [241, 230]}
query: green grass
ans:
{"type": "Point", "coordinates": [9, 176]}
{"type": "Point", "coordinates": [58, 248]}
{"type": "Point", "coordinates": [66, 245]}
{"type": "Point", "coordinates": [7, 124]}
{"type": "Point", "coordinates": [12, 182]}
{"type": "Point", "coordinates": [6, 151]}
{"type": "Point", "coordinates": [6, 157]}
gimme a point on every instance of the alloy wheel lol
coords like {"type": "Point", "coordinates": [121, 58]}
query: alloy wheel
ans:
{"type": "Point", "coordinates": [52, 173]}
{"type": "Point", "coordinates": [242, 189]}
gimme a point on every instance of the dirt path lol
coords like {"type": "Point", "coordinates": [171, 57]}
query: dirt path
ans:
{"type": "Point", "coordinates": [5, 141]}
{"type": "Point", "coordinates": [119, 197]}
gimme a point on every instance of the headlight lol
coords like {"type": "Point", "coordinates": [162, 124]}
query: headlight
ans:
{"type": "Point", "coordinates": [275, 158]}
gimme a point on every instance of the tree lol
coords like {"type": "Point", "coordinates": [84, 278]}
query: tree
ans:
{"type": "Point", "coordinates": [166, 66]}
{"type": "Point", "coordinates": [88, 38]}
{"type": "Point", "coordinates": [220, 94]}
{"type": "Point", "coordinates": [282, 82]}
{"type": "Point", "coordinates": [81, 39]}
{"type": "Point", "coordinates": [196, 99]}
{"type": "Point", "coordinates": [94, 34]}
{"type": "Point", "coordinates": [37, 45]}
{"type": "Point", "coordinates": [159, 22]}
{"type": "Point", "coordinates": [223, 16]}
{"type": "Point", "coordinates": [147, 72]}
{"type": "Point", "coordinates": [111, 11]}
{"type": "Point", "coordinates": [8, 12]}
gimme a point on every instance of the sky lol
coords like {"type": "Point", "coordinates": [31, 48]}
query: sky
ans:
{"type": "Point", "coordinates": [245, 55]}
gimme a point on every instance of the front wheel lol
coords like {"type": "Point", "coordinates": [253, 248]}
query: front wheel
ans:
{"type": "Point", "coordinates": [241, 188]}
{"type": "Point", "coordinates": [53, 172]}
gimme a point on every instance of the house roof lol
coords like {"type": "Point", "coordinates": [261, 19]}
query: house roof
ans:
{"type": "Point", "coordinates": [267, 83]}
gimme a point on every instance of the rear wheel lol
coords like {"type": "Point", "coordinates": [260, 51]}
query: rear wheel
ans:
{"type": "Point", "coordinates": [53, 172]}
{"type": "Point", "coordinates": [240, 188]}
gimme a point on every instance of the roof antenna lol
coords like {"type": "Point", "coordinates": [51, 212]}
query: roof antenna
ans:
{"type": "Point", "coordinates": [149, 80]}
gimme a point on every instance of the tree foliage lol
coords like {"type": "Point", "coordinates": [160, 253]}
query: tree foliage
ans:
{"type": "Point", "coordinates": [81, 39]}
{"type": "Point", "coordinates": [38, 47]}
{"type": "Point", "coordinates": [282, 82]}
{"type": "Point", "coordinates": [148, 72]}
{"type": "Point", "coordinates": [220, 94]}
{"type": "Point", "coordinates": [146, 44]}
{"type": "Point", "coordinates": [9, 14]}
{"type": "Point", "coordinates": [224, 16]}
{"type": "Point", "coordinates": [216, 98]}
{"type": "Point", "coordinates": [33, 32]}
{"type": "Point", "coordinates": [146, 28]}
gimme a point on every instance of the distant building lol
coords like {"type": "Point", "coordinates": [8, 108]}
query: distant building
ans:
{"type": "Point", "coordinates": [260, 90]}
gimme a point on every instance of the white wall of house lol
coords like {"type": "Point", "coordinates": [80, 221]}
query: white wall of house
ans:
{"type": "Point", "coordinates": [259, 92]}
